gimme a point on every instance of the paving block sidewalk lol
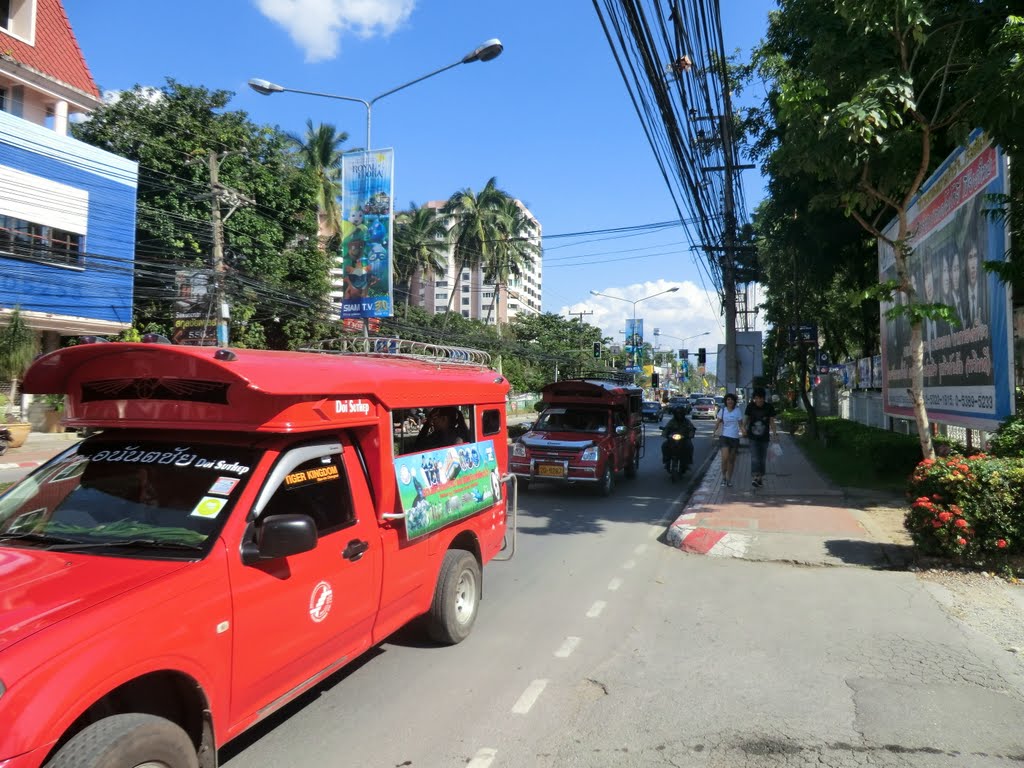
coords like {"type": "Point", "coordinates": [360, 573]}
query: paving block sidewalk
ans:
{"type": "Point", "coordinates": [39, 448]}
{"type": "Point", "coordinates": [795, 516]}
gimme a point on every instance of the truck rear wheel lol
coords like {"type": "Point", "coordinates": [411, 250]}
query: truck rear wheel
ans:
{"type": "Point", "coordinates": [456, 598]}
{"type": "Point", "coordinates": [133, 741]}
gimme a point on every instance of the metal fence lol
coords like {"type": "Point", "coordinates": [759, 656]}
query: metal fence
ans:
{"type": "Point", "coordinates": [865, 407]}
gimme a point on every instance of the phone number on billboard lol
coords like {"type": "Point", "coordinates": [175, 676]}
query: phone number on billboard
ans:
{"type": "Point", "coordinates": [966, 402]}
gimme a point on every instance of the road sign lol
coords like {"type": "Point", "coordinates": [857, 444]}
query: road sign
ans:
{"type": "Point", "coordinates": [805, 334]}
{"type": "Point", "coordinates": [632, 369]}
{"type": "Point", "coordinates": [823, 359]}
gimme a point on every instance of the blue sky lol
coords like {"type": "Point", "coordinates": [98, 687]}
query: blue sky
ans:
{"type": "Point", "coordinates": [550, 118]}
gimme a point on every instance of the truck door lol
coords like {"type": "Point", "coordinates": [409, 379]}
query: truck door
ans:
{"type": "Point", "coordinates": [298, 618]}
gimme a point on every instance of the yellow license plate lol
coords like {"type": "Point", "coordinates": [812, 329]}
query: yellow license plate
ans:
{"type": "Point", "coordinates": [551, 470]}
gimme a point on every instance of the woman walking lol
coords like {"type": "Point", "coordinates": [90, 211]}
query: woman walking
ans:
{"type": "Point", "coordinates": [730, 422]}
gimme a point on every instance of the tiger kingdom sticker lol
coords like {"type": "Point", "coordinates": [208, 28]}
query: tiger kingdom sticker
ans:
{"type": "Point", "coordinates": [209, 507]}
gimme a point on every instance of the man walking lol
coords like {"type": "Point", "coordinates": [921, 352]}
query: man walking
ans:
{"type": "Point", "coordinates": [759, 424]}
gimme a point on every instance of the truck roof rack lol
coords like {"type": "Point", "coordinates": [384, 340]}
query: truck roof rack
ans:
{"type": "Point", "coordinates": [603, 374]}
{"type": "Point", "coordinates": [389, 347]}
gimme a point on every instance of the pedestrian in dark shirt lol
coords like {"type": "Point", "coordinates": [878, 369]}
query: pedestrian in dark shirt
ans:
{"type": "Point", "coordinates": [759, 424]}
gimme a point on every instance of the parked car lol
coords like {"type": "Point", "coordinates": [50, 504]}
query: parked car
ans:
{"type": "Point", "coordinates": [705, 408]}
{"type": "Point", "coordinates": [651, 410]}
{"type": "Point", "coordinates": [678, 402]}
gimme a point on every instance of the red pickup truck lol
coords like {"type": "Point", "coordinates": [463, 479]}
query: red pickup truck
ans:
{"type": "Point", "coordinates": [244, 525]}
{"type": "Point", "coordinates": [589, 430]}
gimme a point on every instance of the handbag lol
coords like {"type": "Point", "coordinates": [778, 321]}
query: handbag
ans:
{"type": "Point", "coordinates": [775, 450]}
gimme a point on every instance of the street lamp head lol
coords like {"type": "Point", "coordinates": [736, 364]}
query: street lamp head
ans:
{"type": "Point", "coordinates": [487, 50]}
{"type": "Point", "coordinates": [265, 87]}
{"type": "Point", "coordinates": [672, 290]}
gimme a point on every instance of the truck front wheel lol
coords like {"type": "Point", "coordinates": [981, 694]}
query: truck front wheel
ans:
{"type": "Point", "coordinates": [133, 741]}
{"type": "Point", "coordinates": [456, 598]}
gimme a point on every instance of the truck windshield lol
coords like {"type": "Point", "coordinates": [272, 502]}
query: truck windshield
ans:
{"type": "Point", "coordinates": [572, 420]}
{"type": "Point", "coordinates": [127, 498]}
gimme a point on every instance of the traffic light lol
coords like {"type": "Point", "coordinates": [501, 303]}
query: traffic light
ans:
{"type": "Point", "coordinates": [654, 379]}
{"type": "Point", "coordinates": [684, 354]}
{"type": "Point", "coordinates": [597, 349]}
{"type": "Point", "coordinates": [702, 356]}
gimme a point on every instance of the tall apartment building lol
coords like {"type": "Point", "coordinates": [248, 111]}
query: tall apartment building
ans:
{"type": "Point", "coordinates": [67, 210]}
{"type": "Point", "coordinates": [475, 298]}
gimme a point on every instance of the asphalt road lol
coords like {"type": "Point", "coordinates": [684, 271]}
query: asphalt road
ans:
{"type": "Point", "coordinates": [599, 646]}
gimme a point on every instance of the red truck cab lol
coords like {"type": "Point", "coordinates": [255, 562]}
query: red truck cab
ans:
{"type": "Point", "coordinates": [243, 525]}
{"type": "Point", "coordinates": [588, 430]}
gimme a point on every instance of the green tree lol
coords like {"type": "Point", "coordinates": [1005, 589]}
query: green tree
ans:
{"type": "Point", "coordinates": [19, 346]}
{"type": "Point", "coordinates": [319, 152]}
{"type": "Point", "coordinates": [868, 96]}
{"type": "Point", "coordinates": [420, 246]}
{"type": "Point", "coordinates": [517, 245]}
{"type": "Point", "coordinates": [475, 228]}
{"type": "Point", "coordinates": [277, 275]}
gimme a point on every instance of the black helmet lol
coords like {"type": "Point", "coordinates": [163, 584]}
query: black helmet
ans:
{"type": "Point", "coordinates": [680, 412]}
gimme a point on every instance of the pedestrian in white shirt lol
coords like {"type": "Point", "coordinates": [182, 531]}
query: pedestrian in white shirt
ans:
{"type": "Point", "coordinates": [730, 422]}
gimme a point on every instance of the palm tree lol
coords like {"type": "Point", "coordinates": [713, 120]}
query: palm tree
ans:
{"type": "Point", "coordinates": [474, 227]}
{"type": "Point", "coordinates": [513, 250]}
{"type": "Point", "coordinates": [420, 245]}
{"type": "Point", "coordinates": [319, 151]}
{"type": "Point", "coordinates": [18, 347]}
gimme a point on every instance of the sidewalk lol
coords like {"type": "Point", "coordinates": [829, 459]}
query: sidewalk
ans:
{"type": "Point", "coordinates": [797, 516]}
{"type": "Point", "coordinates": [39, 448]}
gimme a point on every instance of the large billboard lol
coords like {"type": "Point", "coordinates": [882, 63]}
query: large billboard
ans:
{"type": "Point", "coordinates": [968, 364]}
{"type": "Point", "coordinates": [366, 244]}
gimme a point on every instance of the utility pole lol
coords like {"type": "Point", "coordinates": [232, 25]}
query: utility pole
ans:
{"type": "Point", "coordinates": [581, 314]}
{"type": "Point", "coordinates": [235, 199]}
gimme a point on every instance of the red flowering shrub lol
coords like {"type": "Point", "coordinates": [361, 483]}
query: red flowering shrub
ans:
{"type": "Point", "coordinates": [967, 507]}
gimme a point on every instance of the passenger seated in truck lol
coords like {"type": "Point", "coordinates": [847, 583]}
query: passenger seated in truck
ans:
{"type": "Point", "coordinates": [441, 429]}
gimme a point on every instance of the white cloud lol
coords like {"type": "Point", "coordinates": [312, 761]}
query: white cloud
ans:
{"type": "Point", "coordinates": [680, 315]}
{"type": "Point", "coordinates": [317, 25]}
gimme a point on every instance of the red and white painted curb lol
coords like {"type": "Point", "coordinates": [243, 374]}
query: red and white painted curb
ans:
{"type": "Point", "coordinates": [686, 534]}
{"type": "Point", "coordinates": [698, 540]}
{"type": "Point", "coordinates": [21, 465]}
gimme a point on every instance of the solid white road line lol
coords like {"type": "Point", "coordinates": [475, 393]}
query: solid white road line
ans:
{"type": "Point", "coordinates": [567, 647]}
{"type": "Point", "coordinates": [595, 609]}
{"type": "Point", "coordinates": [614, 584]}
{"type": "Point", "coordinates": [529, 697]}
{"type": "Point", "coordinates": [482, 758]}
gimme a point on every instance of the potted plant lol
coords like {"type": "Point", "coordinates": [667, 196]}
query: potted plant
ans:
{"type": "Point", "coordinates": [18, 348]}
{"type": "Point", "coordinates": [53, 413]}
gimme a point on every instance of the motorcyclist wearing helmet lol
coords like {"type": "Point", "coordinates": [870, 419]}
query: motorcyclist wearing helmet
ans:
{"type": "Point", "coordinates": [681, 424]}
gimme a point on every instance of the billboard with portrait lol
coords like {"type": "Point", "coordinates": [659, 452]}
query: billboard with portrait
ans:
{"type": "Point", "coordinates": [367, 180]}
{"type": "Point", "coordinates": [968, 364]}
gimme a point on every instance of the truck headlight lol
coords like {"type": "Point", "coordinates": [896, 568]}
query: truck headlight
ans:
{"type": "Point", "coordinates": [591, 454]}
{"type": "Point", "coordinates": [519, 450]}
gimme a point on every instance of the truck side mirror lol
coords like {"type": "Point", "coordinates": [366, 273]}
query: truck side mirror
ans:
{"type": "Point", "coordinates": [280, 536]}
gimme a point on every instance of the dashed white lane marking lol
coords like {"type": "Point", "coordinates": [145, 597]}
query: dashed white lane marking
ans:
{"type": "Point", "coordinates": [595, 609]}
{"type": "Point", "coordinates": [483, 758]}
{"type": "Point", "coordinates": [629, 564]}
{"type": "Point", "coordinates": [529, 697]}
{"type": "Point", "coordinates": [614, 584]}
{"type": "Point", "coordinates": [567, 647]}
{"type": "Point", "coordinates": [640, 549]}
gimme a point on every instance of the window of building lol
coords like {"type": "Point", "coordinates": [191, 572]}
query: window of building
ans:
{"type": "Point", "coordinates": [26, 240]}
{"type": "Point", "coordinates": [465, 289]}
{"type": "Point", "coordinates": [465, 275]}
{"type": "Point", "coordinates": [489, 295]}
{"type": "Point", "coordinates": [441, 296]}
{"type": "Point", "coordinates": [18, 18]}
{"type": "Point", "coordinates": [440, 283]}
{"type": "Point", "coordinates": [465, 313]}
{"type": "Point", "coordinates": [465, 302]}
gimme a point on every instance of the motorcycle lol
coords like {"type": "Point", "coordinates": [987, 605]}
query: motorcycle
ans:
{"type": "Point", "coordinates": [5, 440]}
{"type": "Point", "coordinates": [678, 454]}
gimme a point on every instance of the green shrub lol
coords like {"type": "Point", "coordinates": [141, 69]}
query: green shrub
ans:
{"type": "Point", "coordinates": [1008, 440]}
{"type": "Point", "coordinates": [967, 508]}
{"type": "Point", "coordinates": [878, 449]}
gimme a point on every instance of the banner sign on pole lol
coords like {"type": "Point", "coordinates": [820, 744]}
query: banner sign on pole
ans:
{"type": "Point", "coordinates": [366, 234]}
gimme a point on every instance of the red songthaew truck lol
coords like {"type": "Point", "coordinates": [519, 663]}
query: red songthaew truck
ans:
{"type": "Point", "coordinates": [243, 524]}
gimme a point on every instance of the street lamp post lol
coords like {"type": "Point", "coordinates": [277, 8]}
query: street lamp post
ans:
{"type": "Point", "coordinates": [486, 51]}
{"type": "Point", "coordinates": [634, 303]}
